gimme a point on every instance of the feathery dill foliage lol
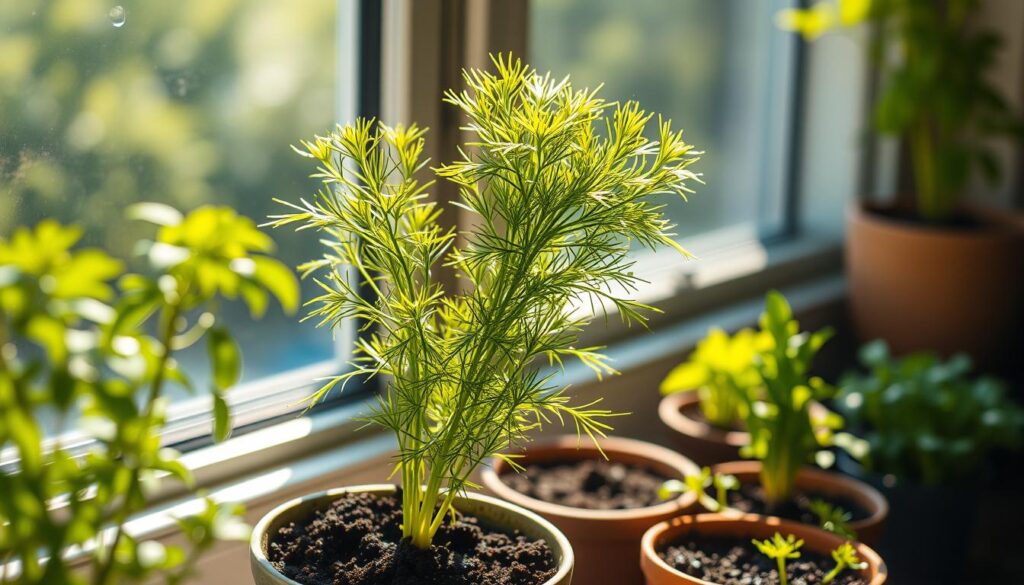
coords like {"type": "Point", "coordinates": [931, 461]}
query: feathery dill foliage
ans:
{"type": "Point", "coordinates": [556, 204]}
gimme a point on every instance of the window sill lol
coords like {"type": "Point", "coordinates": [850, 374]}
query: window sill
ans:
{"type": "Point", "coordinates": [331, 447]}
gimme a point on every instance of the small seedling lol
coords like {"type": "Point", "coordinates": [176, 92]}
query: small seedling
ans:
{"type": "Point", "coordinates": [699, 484]}
{"type": "Point", "coordinates": [833, 519]}
{"type": "Point", "coordinates": [781, 549]}
{"type": "Point", "coordinates": [846, 558]}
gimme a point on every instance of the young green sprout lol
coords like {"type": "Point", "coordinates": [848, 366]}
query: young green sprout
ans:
{"type": "Point", "coordinates": [699, 483]}
{"type": "Point", "coordinates": [846, 558]}
{"type": "Point", "coordinates": [833, 519]}
{"type": "Point", "coordinates": [781, 549]}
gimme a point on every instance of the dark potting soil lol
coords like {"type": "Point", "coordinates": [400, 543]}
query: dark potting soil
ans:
{"type": "Point", "coordinates": [694, 412]}
{"type": "Point", "coordinates": [358, 541]}
{"type": "Point", "coordinates": [590, 484]}
{"type": "Point", "coordinates": [735, 561]}
{"type": "Point", "coordinates": [750, 498]}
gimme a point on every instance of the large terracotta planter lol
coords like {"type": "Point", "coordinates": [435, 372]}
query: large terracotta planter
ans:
{"type": "Point", "coordinates": [658, 572]}
{"type": "Point", "coordinates": [933, 288]}
{"type": "Point", "coordinates": [705, 443]}
{"type": "Point", "coordinates": [490, 510]}
{"type": "Point", "coordinates": [605, 541]}
{"type": "Point", "coordinates": [809, 479]}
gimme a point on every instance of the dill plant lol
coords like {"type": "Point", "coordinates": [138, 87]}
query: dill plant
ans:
{"type": "Point", "coordinates": [559, 184]}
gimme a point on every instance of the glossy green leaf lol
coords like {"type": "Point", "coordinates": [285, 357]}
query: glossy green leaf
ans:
{"type": "Point", "coordinates": [225, 358]}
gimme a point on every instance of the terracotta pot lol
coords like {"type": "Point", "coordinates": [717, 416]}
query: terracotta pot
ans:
{"type": "Point", "coordinates": [658, 572]}
{"type": "Point", "coordinates": [605, 541]}
{"type": "Point", "coordinates": [925, 287]}
{"type": "Point", "coordinates": [491, 510]}
{"type": "Point", "coordinates": [705, 443]}
{"type": "Point", "coordinates": [809, 479]}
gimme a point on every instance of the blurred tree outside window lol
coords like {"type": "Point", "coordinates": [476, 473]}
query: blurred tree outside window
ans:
{"type": "Point", "coordinates": [108, 103]}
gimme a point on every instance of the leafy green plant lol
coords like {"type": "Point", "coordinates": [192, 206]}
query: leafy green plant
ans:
{"type": "Point", "coordinates": [721, 370]}
{"type": "Point", "coordinates": [845, 556]}
{"type": "Point", "coordinates": [783, 435]}
{"type": "Point", "coordinates": [699, 483]}
{"type": "Point", "coordinates": [558, 182]}
{"type": "Point", "coordinates": [927, 420]}
{"type": "Point", "coordinates": [781, 549]}
{"type": "Point", "coordinates": [79, 350]}
{"type": "Point", "coordinates": [833, 519]}
{"type": "Point", "coordinates": [936, 93]}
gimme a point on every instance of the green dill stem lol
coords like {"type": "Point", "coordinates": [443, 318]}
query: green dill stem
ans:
{"type": "Point", "coordinates": [783, 578]}
{"type": "Point", "coordinates": [831, 576]}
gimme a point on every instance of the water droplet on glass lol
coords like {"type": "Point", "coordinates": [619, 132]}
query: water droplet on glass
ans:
{"type": "Point", "coordinates": [118, 16]}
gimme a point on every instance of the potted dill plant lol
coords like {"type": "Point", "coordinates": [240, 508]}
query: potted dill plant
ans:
{"type": "Point", "coordinates": [928, 272]}
{"type": "Point", "coordinates": [705, 396]}
{"type": "Point", "coordinates": [87, 356]}
{"type": "Point", "coordinates": [560, 183]}
{"type": "Point", "coordinates": [787, 435]}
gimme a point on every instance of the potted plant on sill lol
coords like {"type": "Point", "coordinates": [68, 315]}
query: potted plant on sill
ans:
{"type": "Point", "coordinates": [559, 182]}
{"type": "Point", "coordinates": [929, 273]}
{"type": "Point", "coordinates": [83, 356]}
{"type": "Point", "coordinates": [717, 549]}
{"type": "Point", "coordinates": [603, 496]}
{"type": "Point", "coordinates": [786, 435]}
{"type": "Point", "coordinates": [931, 429]}
{"type": "Point", "coordinates": [705, 396]}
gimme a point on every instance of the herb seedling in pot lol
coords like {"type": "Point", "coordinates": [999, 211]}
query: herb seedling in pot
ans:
{"type": "Point", "coordinates": [559, 183]}
{"type": "Point", "coordinates": [833, 519]}
{"type": "Point", "coordinates": [699, 483]}
{"type": "Point", "coordinates": [845, 556]}
{"type": "Point", "coordinates": [784, 435]}
{"type": "Point", "coordinates": [781, 549]}
{"type": "Point", "coordinates": [721, 370]}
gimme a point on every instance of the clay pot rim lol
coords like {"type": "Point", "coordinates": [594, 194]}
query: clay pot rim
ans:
{"type": "Point", "coordinates": [611, 445]}
{"type": "Point", "coordinates": [671, 528]}
{"type": "Point", "coordinates": [992, 226]}
{"type": "Point", "coordinates": [860, 492]}
{"type": "Point", "coordinates": [670, 410]}
{"type": "Point", "coordinates": [565, 563]}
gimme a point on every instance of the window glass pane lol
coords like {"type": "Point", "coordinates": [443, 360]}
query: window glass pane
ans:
{"type": "Point", "coordinates": [718, 69]}
{"type": "Point", "coordinates": [186, 102]}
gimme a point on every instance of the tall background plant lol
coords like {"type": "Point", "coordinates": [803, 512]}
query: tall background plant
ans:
{"type": "Point", "coordinates": [936, 93]}
{"type": "Point", "coordinates": [87, 346]}
{"type": "Point", "coordinates": [558, 182]}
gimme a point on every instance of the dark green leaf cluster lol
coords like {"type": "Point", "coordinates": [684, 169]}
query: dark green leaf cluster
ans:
{"type": "Point", "coordinates": [558, 185]}
{"type": "Point", "coordinates": [926, 419]}
{"type": "Point", "coordinates": [84, 342]}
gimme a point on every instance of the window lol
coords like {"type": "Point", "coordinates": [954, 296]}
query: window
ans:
{"type": "Point", "coordinates": [187, 103]}
{"type": "Point", "coordinates": [720, 70]}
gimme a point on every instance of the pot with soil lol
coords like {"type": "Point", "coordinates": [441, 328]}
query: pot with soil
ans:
{"type": "Point", "coordinates": [867, 507]}
{"type": "Point", "coordinates": [692, 434]}
{"type": "Point", "coordinates": [603, 506]}
{"type": "Point", "coordinates": [353, 535]}
{"type": "Point", "coordinates": [706, 549]}
{"type": "Point", "coordinates": [943, 287]}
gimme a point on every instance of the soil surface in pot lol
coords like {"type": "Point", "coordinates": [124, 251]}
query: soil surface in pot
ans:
{"type": "Point", "coordinates": [735, 561]}
{"type": "Point", "coordinates": [590, 484]}
{"type": "Point", "coordinates": [358, 541]}
{"type": "Point", "coordinates": [749, 498]}
{"type": "Point", "coordinates": [694, 412]}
